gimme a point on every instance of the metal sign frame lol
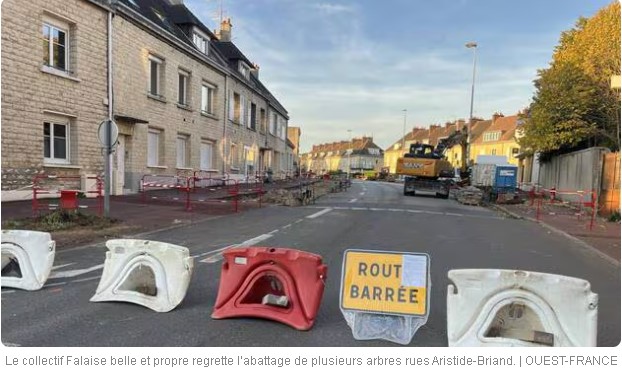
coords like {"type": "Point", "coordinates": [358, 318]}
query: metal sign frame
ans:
{"type": "Point", "coordinates": [427, 282]}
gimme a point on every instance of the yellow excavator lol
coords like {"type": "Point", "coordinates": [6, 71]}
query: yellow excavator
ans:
{"type": "Point", "coordinates": [427, 170]}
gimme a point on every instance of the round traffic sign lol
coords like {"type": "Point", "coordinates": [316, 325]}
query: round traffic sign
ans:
{"type": "Point", "coordinates": [114, 133]}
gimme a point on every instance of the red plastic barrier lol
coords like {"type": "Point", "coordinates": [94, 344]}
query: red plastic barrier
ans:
{"type": "Point", "coordinates": [252, 276]}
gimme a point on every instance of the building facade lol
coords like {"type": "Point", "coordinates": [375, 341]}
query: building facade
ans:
{"type": "Point", "coordinates": [55, 97]}
{"type": "Point", "coordinates": [357, 155]}
{"type": "Point", "coordinates": [182, 102]}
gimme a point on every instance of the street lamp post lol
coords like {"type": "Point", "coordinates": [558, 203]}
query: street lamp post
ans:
{"type": "Point", "coordinates": [349, 152]}
{"type": "Point", "coordinates": [404, 130]}
{"type": "Point", "coordinates": [471, 45]}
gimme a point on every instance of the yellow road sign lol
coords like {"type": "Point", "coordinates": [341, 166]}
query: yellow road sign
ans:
{"type": "Point", "coordinates": [385, 282]}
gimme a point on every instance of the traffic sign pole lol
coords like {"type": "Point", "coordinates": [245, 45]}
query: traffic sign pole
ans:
{"type": "Point", "coordinates": [107, 168]}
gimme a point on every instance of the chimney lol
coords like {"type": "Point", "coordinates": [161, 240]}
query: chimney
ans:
{"type": "Point", "coordinates": [225, 30]}
{"type": "Point", "coordinates": [255, 71]}
{"type": "Point", "coordinates": [495, 116]}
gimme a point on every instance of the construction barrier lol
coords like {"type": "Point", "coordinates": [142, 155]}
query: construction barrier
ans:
{"type": "Point", "coordinates": [67, 189]}
{"type": "Point", "coordinates": [149, 273]}
{"type": "Point", "coordinates": [574, 203]}
{"type": "Point", "coordinates": [163, 183]}
{"type": "Point", "coordinates": [278, 284]}
{"type": "Point", "coordinates": [494, 307]}
{"type": "Point", "coordinates": [27, 258]}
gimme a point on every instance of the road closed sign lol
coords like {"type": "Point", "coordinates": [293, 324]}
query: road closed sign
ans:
{"type": "Point", "coordinates": [385, 282]}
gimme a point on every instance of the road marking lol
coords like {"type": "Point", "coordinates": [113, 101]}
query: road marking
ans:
{"type": "Point", "coordinates": [10, 344]}
{"type": "Point", "coordinates": [454, 214]}
{"type": "Point", "coordinates": [75, 272]}
{"type": "Point", "coordinates": [362, 194]}
{"type": "Point", "coordinates": [8, 291]}
{"type": "Point", "coordinates": [61, 266]}
{"type": "Point", "coordinates": [414, 211]}
{"type": "Point", "coordinates": [319, 213]}
{"type": "Point", "coordinates": [86, 279]}
{"type": "Point", "coordinates": [287, 226]}
{"type": "Point", "coordinates": [352, 200]}
{"type": "Point", "coordinates": [216, 255]}
{"type": "Point", "coordinates": [299, 221]}
{"type": "Point", "coordinates": [54, 284]}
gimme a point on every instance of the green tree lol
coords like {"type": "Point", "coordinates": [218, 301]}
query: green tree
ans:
{"type": "Point", "coordinates": [574, 106]}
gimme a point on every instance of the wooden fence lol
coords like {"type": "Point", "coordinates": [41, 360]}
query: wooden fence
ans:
{"type": "Point", "coordinates": [609, 201]}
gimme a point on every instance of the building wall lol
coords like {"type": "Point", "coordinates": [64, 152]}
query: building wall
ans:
{"type": "Point", "coordinates": [132, 47]}
{"type": "Point", "coordinates": [498, 148]}
{"type": "Point", "coordinates": [31, 96]}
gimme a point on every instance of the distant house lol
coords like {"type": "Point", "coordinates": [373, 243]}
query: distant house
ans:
{"type": "Point", "coordinates": [357, 155]}
{"type": "Point", "coordinates": [497, 138]}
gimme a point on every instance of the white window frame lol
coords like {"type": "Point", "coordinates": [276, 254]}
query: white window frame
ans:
{"type": "Point", "coordinates": [183, 93]}
{"type": "Point", "coordinates": [63, 27]}
{"type": "Point", "coordinates": [51, 159]}
{"type": "Point", "coordinates": [233, 156]}
{"type": "Point", "coordinates": [153, 149]}
{"type": "Point", "coordinates": [182, 149]}
{"type": "Point", "coordinates": [158, 88]}
{"type": "Point", "coordinates": [207, 147]}
{"type": "Point", "coordinates": [200, 42]}
{"type": "Point", "coordinates": [244, 69]}
{"type": "Point", "coordinates": [207, 97]}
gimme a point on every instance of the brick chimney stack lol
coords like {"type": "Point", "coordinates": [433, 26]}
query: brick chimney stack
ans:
{"type": "Point", "coordinates": [225, 30]}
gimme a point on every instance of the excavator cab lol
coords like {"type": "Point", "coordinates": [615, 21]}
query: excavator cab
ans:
{"type": "Point", "coordinates": [418, 150]}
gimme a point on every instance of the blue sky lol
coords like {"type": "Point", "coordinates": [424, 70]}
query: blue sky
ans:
{"type": "Point", "coordinates": [339, 65]}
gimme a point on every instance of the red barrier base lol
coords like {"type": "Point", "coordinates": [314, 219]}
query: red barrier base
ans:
{"type": "Point", "coordinates": [283, 285]}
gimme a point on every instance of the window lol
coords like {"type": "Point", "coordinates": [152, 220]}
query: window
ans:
{"type": "Point", "coordinates": [207, 154]}
{"type": "Point", "coordinates": [155, 70]}
{"type": "Point", "coordinates": [493, 151]}
{"type": "Point", "coordinates": [273, 124]}
{"type": "Point", "coordinates": [244, 69]}
{"type": "Point", "coordinates": [183, 150]}
{"type": "Point", "coordinates": [514, 151]}
{"type": "Point", "coordinates": [207, 98]}
{"type": "Point", "coordinates": [492, 136]}
{"type": "Point", "coordinates": [56, 142]}
{"type": "Point", "coordinates": [200, 42]}
{"type": "Point", "coordinates": [233, 156]}
{"type": "Point", "coordinates": [153, 147]}
{"type": "Point", "coordinates": [55, 46]}
{"type": "Point", "coordinates": [182, 96]}
{"type": "Point", "coordinates": [262, 121]}
{"type": "Point", "coordinates": [237, 111]}
{"type": "Point", "coordinates": [243, 116]}
{"type": "Point", "coordinates": [253, 118]}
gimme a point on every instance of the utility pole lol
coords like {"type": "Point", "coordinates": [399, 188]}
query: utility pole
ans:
{"type": "Point", "coordinates": [349, 152]}
{"type": "Point", "coordinates": [471, 45]}
{"type": "Point", "coordinates": [404, 131]}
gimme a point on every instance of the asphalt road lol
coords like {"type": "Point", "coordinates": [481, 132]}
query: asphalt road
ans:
{"type": "Point", "coordinates": [369, 215]}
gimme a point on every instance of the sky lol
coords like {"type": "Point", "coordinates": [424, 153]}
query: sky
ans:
{"type": "Point", "coordinates": [340, 65]}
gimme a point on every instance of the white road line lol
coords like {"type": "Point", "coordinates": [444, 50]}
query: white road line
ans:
{"type": "Point", "coordinates": [54, 284]}
{"type": "Point", "coordinates": [61, 266]}
{"type": "Point", "coordinates": [319, 213]}
{"type": "Point", "coordinates": [454, 214]}
{"type": "Point", "coordinates": [362, 194]}
{"type": "Point", "coordinates": [299, 221]}
{"type": "Point", "coordinates": [287, 226]}
{"type": "Point", "coordinates": [273, 232]}
{"type": "Point", "coordinates": [352, 200]}
{"type": "Point", "coordinates": [87, 279]}
{"type": "Point", "coordinates": [8, 291]}
{"type": "Point", "coordinates": [217, 254]}
{"type": "Point", "coordinates": [75, 272]}
{"type": "Point", "coordinates": [359, 208]}
{"type": "Point", "coordinates": [10, 344]}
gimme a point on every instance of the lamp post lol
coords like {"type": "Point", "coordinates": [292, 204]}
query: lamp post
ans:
{"type": "Point", "coordinates": [404, 130]}
{"type": "Point", "coordinates": [349, 151]}
{"type": "Point", "coordinates": [471, 45]}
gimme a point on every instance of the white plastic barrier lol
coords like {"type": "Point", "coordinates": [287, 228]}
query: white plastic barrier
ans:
{"type": "Point", "coordinates": [33, 252]}
{"type": "Point", "coordinates": [149, 273]}
{"type": "Point", "coordinates": [493, 307]}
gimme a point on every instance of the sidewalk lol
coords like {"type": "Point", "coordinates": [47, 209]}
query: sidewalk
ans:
{"type": "Point", "coordinates": [161, 209]}
{"type": "Point", "coordinates": [604, 236]}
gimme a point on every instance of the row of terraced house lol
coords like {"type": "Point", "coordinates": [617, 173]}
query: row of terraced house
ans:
{"type": "Point", "coordinates": [184, 97]}
{"type": "Point", "coordinates": [497, 136]}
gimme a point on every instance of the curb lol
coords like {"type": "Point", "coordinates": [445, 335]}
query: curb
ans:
{"type": "Point", "coordinates": [560, 232]}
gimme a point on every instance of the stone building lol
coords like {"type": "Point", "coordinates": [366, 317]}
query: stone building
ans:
{"type": "Point", "coordinates": [182, 102]}
{"type": "Point", "coordinates": [53, 97]}
{"type": "Point", "coordinates": [357, 155]}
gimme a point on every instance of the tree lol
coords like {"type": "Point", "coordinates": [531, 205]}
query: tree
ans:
{"type": "Point", "coordinates": [573, 106]}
